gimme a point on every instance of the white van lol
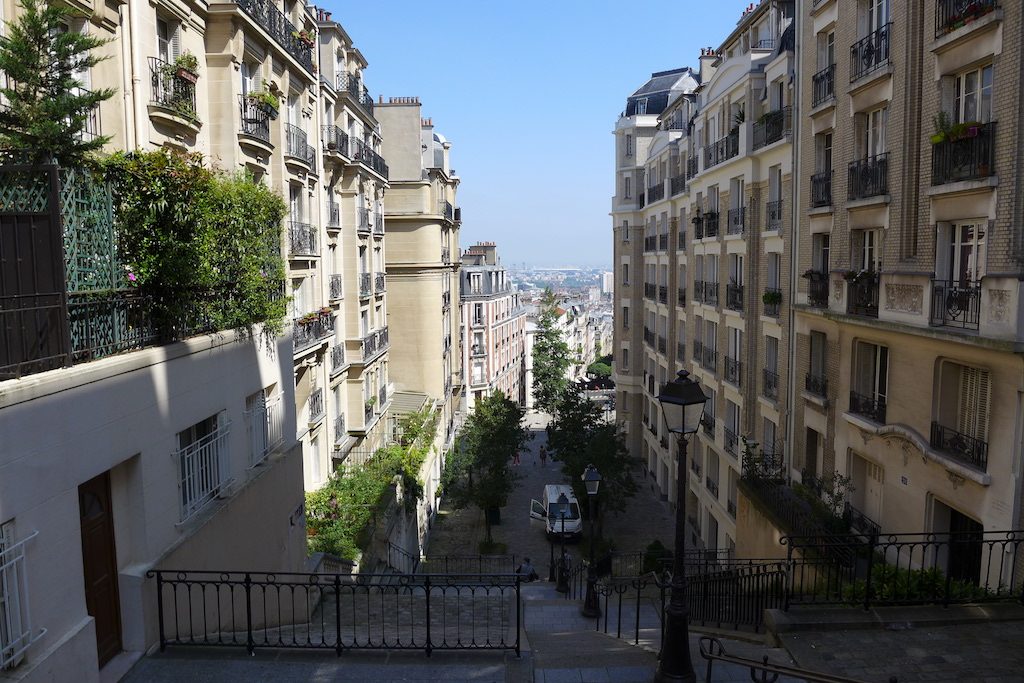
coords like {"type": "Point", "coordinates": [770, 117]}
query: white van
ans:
{"type": "Point", "coordinates": [547, 511]}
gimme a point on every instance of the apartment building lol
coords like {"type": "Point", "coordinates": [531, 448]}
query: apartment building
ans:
{"type": "Point", "coordinates": [493, 328]}
{"type": "Point", "coordinates": [423, 272]}
{"type": "Point", "coordinates": [910, 256]}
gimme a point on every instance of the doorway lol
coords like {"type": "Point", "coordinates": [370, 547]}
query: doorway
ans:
{"type": "Point", "coordinates": [99, 563]}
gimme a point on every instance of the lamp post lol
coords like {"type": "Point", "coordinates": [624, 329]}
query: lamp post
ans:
{"type": "Point", "coordinates": [563, 572]}
{"type": "Point", "coordinates": [682, 404]}
{"type": "Point", "coordinates": [592, 480]}
{"type": "Point", "coordinates": [551, 558]}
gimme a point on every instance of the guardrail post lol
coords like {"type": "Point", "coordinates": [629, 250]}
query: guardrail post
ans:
{"type": "Point", "coordinates": [160, 608]}
{"type": "Point", "coordinates": [250, 644]}
{"type": "Point", "coordinates": [519, 611]}
{"type": "Point", "coordinates": [872, 540]}
{"type": "Point", "coordinates": [790, 579]}
{"type": "Point", "coordinates": [337, 614]}
{"type": "Point", "coordinates": [426, 588]}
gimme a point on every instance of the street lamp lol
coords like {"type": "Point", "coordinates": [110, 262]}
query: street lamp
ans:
{"type": "Point", "coordinates": [682, 404]}
{"type": "Point", "coordinates": [592, 480]}
{"type": "Point", "coordinates": [563, 572]}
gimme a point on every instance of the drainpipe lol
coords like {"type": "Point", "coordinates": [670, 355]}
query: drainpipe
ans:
{"type": "Point", "coordinates": [140, 117]}
{"type": "Point", "coordinates": [127, 74]}
{"type": "Point", "coordinates": [794, 243]}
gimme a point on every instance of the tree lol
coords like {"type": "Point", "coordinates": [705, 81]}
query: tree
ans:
{"type": "Point", "coordinates": [599, 369]}
{"type": "Point", "coordinates": [478, 470]}
{"type": "Point", "coordinates": [551, 356]}
{"type": "Point", "coordinates": [47, 108]}
{"type": "Point", "coordinates": [581, 437]}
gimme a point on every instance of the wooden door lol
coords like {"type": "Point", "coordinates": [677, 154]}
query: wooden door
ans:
{"type": "Point", "coordinates": [100, 564]}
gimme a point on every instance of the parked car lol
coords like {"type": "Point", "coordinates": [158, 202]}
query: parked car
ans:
{"type": "Point", "coordinates": [548, 511]}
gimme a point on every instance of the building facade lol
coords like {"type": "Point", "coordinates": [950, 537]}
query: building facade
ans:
{"type": "Point", "coordinates": [493, 328]}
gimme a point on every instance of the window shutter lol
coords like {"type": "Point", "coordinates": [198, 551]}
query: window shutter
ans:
{"type": "Point", "coordinates": [857, 244]}
{"type": "Point", "coordinates": [176, 42]}
{"type": "Point", "coordinates": [972, 415]}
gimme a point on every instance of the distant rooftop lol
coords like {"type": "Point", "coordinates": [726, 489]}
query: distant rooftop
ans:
{"type": "Point", "coordinates": [662, 88]}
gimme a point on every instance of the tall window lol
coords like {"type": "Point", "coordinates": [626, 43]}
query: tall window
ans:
{"type": "Point", "coordinates": [641, 106]}
{"type": "Point", "coordinates": [817, 359]}
{"type": "Point", "coordinates": [867, 249]}
{"type": "Point", "coordinates": [873, 134]}
{"type": "Point", "coordinates": [877, 14]}
{"type": "Point", "coordinates": [625, 273]}
{"type": "Point", "coordinates": [774, 267]}
{"type": "Point", "coordinates": [168, 39]}
{"type": "Point", "coordinates": [826, 49]}
{"type": "Point", "coordinates": [771, 354]}
{"type": "Point", "coordinates": [960, 256]}
{"type": "Point", "coordinates": [629, 145]}
{"type": "Point", "coordinates": [973, 95]}
{"type": "Point", "coordinates": [871, 375]}
{"type": "Point", "coordinates": [964, 399]}
{"type": "Point", "coordinates": [823, 152]}
{"type": "Point", "coordinates": [250, 77]}
{"type": "Point", "coordinates": [625, 317]}
{"type": "Point", "coordinates": [820, 251]}
{"type": "Point", "coordinates": [627, 187]}
{"type": "Point", "coordinates": [203, 462]}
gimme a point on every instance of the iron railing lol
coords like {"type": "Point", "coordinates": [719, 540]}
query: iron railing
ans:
{"type": "Point", "coordinates": [772, 301]}
{"type": "Point", "coordinates": [378, 223]}
{"type": "Point", "coordinates": [681, 296]}
{"type": "Point", "coordinates": [710, 359]}
{"type": "Point", "coordinates": [255, 120]}
{"type": "Point", "coordinates": [338, 612]}
{"type": "Point", "coordinates": [967, 449]}
{"type": "Point", "coordinates": [956, 304]}
{"type": "Point", "coordinates": [710, 224]}
{"type": "Point", "coordinates": [722, 150]}
{"type": "Point", "coordinates": [312, 331]}
{"type": "Point", "coordinates": [335, 140]}
{"type": "Point", "coordinates": [266, 429]}
{"type": "Point", "coordinates": [707, 423]}
{"type": "Point", "coordinates": [772, 127]}
{"type": "Point", "coordinates": [870, 52]}
{"type": "Point", "coordinates": [297, 147]}
{"type": "Point", "coordinates": [967, 158]}
{"type": "Point", "coordinates": [770, 384]}
{"type": "Point", "coordinates": [817, 291]}
{"type": "Point", "coordinates": [734, 297]}
{"type": "Point", "coordinates": [655, 193]}
{"type": "Point", "coordinates": [681, 241]}
{"type": "Point", "coordinates": [462, 565]}
{"type": "Point", "coordinates": [773, 211]}
{"type": "Point", "coordinates": [340, 432]}
{"type": "Point", "coordinates": [860, 522]}
{"type": "Point", "coordinates": [446, 209]}
{"type": "Point", "coordinates": [650, 291]}
{"type": "Point", "coordinates": [363, 220]}
{"type": "Point", "coordinates": [379, 282]}
{"type": "Point", "coordinates": [663, 241]}
{"type": "Point", "coordinates": [871, 407]}
{"type": "Point", "coordinates": [365, 155]}
{"type": "Point", "coordinates": [711, 293]}
{"type": "Point", "coordinates": [337, 357]}
{"type": "Point", "coordinates": [731, 441]}
{"type": "Point", "coordinates": [712, 486]}
{"type": "Point", "coordinates": [868, 177]}
{"type": "Point", "coordinates": [677, 185]}
{"type": "Point", "coordinates": [302, 239]}
{"type": "Point", "coordinates": [712, 650]}
{"type": "Point", "coordinates": [648, 336]}
{"type": "Point", "coordinates": [349, 84]}
{"type": "Point", "coordinates": [816, 384]}
{"type": "Point", "coordinates": [333, 215]}
{"type": "Point", "coordinates": [691, 167]}
{"type": "Point", "coordinates": [862, 295]}
{"type": "Point", "coordinates": [730, 507]}
{"type": "Point", "coordinates": [662, 294]}
{"type": "Point", "coordinates": [365, 285]}
{"type": "Point", "coordinates": [315, 405]}
{"type": "Point", "coordinates": [821, 189]}
{"type": "Point", "coordinates": [953, 14]}
{"type": "Point", "coordinates": [823, 85]}
{"type": "Point", "coordinates": [737, 221]}
{"type": "Point", "coordinates": [662, 345]}
{"type": "Point", "coordinates": [171, 91]}
{"type": "Point", "coordinates": [268, 17]}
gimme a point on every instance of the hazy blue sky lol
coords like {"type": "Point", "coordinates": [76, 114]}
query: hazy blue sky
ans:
{"type": "Point", "coordinates": [528, 93]}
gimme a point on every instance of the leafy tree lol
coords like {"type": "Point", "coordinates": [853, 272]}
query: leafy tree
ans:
{"type": "Point", "coordinates": [551, 356]}
{"type": "Point", "coordinates": [47, 108]}
{"type": "Point", "coordinates": [581, 437]}
{"type": "Point", "coordinates": [478, 470]}
{"type": "Point", "coordinates": [599, 370]}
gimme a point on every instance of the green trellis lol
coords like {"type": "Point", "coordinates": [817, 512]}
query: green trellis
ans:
{"type": "Point", "coordinates": [90, 245]}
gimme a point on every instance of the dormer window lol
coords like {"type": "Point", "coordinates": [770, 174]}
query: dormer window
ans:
{"type": "Point", "coordinates": [641, 106]}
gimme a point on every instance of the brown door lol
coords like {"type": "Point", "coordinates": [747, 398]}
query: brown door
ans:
{"type": "Point", "coordinates": [100, 564]}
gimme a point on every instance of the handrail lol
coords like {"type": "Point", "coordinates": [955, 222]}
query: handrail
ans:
{"type": "Point", "coordinates": [713, 651]}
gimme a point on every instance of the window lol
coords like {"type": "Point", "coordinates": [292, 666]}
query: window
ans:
{"type": "Point", "coordinates": [625, 359]}
{"type": "Point", "coordinates": [877, 14]}
{"type": "Point", "coordinates": [295, 203]}
{"type": "Point", "coordinates": [250, 77]}
{"type": "Point", "coordinates": [768, 440]}
{"type": "Point", "coordinates": [625, 273]}
{"type": "Point", "coordinates": [627, 188]}
{"type": "Point", "coordinates": [867, 249]}
{"type": "Point", "coordinates": [820, 252]}
{"type": "Point", "coordinates": [478, 314]}
{"type": "Point", "coordinates": [823, 152]}
{"type": "Point", "coordinates": [735, 343]}
{"type": "Point", "coordinates": [774, 267]}
{"type": "Point", "coordinates": [817, 359]}
{"type": "Point", "coordinates": [203, 462]}
{"type": "Point", "coordinates": [629, 145]}
{"type": "Point", "coordinates": [870, 381]}
{"type": "Point", "coordinates": [625, 317]}
{"type": "Point", "coordinates": [771, 354]}
{"type": "Point", "coordinates": [826, 49]}
{"type": "Point", "coordinates": [263, 419]}
{"type": "Point", "coordinates": [736, 269]}
{"type": "Point", "coordinates": [168, 40]}
{"type": "Point", "coordinates": [960, 256]}
{"type": "Point", "coordinates": [641, 106]}
{"type": "Point", "coordinates": [972, 98]}
{"type": "Point", "coordinates": [873, 133]}
{"type": "Point", "coordinates": [314, 459]}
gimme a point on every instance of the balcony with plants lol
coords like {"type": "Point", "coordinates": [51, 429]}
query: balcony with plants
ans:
{"type": "Point", "coordinates": [313, 328]}
{"type": "Point", "coordinates": [172, 98]}
{"type": "Point", "coordinates": [335, 142]}
{"type": "Point", "coordinates": [734, 297]}
{"type": "Point", "coordinates": [296, 42]}
{"type": "Point", "coordinates": [772, 301]}
{"type": "Point", "coordinates": [255, 116]}
{"type": "Point", "coordinates": [962, 151]}
{"type": "Point", "coordinates": [817, 287]}
{"type": "Point", "coordinates": [952, 15]}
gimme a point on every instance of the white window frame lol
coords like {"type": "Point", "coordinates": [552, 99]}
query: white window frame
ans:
{"type": "Point", "coordinates": [974, 104]}
{"type": "Point", "coordinates": [204, 467]}
{"type": "Point", "coordinates": [15, 617]}
{"type": "Point", "coordinates": [961, 256]}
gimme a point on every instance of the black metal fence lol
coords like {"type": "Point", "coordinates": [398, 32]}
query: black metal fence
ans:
{"type": "Point", "coordinates": [968, 157]}
{"type": "Point", "coordinates": [953, 14]}
{"type": "Point", "coordinates": [171, 91]}
{"type": "Point", "coordinates": [862, 295]}
{"type": "Point", "coordinates": [712, 651]}
{"type": "Point", "coordinates": [772, 126]}
{"type": "Point", "coordinates": [821, 189]}
{"type": "Point", "coordinates": [870, 52]}
{"type": "Point", "coordinates": [823, 85]}
{"type": "Point", "coordinates": [255, 119]}
{"type": "Point", "coordinates": [338, 612]}
{"type": "Point", "coordinates": [956, 304]}
{"type": "Point", "coordinates": [868, 177]}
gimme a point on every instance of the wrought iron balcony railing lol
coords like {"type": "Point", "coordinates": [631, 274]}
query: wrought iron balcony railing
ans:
{"type": "Point", "coordinates": [770, 384]}
{"type": "Point", "coordinates": [731, 441]}
{"type": "Point", "coordinates": [255, 120]}
{"type": "Point", "coordinates": [650, 290]}
{"type": "Point", "coordinates": [655, 193]}
{"type": "Point", "coordinates": [870, 52]}
{"type": "Point", "coordinates": [969, 157]}
{"type": "Point", "coordinates": [956, 304]}
{"type": "Point", "coordinates": [337, 357]}
{"type": "Point", "coordinates": [710, 293]}
{"type": "Point", "coordinates": [871, 407]}
{"type": "Point", "coordinates": [333, 215]}
{"type": "Point", "coordinates": [681, 296]}
{"type": "Point", "coordinates": [315, 405]}
{"type": "Point", "coordinates": [339, 428]}
{"type": "Point", "coordinates": [861, 522]}
{"type": "Point", "coordinates": [681, 244]}
{"type": "Point", "coordinates": [707, 422]}
{"type": "Point", "coordinates": [823, 85]}
{"type": "Point", "coordinates": [722, 150]}
{"type": "Point", "coordinates": [772, 301]}
{"type": "Point", "coordinates": [337, 286]}
{"type": "Point", "coordinates": [737, 221]}
{"type": "Point", "coordinates": [268, 17]}
{"type": "Point", "coordinates": [171, 91]}
{"type": "Point", "coordinates": [773, 211]}
{"type": "Point", "coordinates": [712, 486]}
{"type": "Point", "coordinates": [349, 84]}
{"type": "Point", "coordinates": [335, 140]}
{"type": "Point", "coordinates": [734, 297]}
{"type": "Point", "coordinates": [650, 243]}
{"type": "Point", "coordinates": [648, 336]}
{"type": "Point", "coordinates": [662, 294]}
{"type": "Point", "coordinates": [691, 167]}
{"type": "Point", "coordinates": [964, 448]}
{"type": "Point", "coordinates": [365, 155]}
{"type": "Point", "coordinates": [698, 351]}
{"type": "Point", "coordinates": [302, 239]}
{"type": "Point", "coordinates": [363, 220]}
{"type": "Point", "coordinates": [817, 291]}
{"type": "Point", "coordinates": [307, 331]}
{"type": "Point", "coordinates": [772, 127]}
{"type": "Point", "coordinates": [869, 177]}
{"type": "Point", "coordinates": [862, 295]}
{"type": "Point", "coordinates": [816, 384]}
{"type": "Point", "coordinates": [379, 282]}
{"type": "Point", "coordinates": [821, 189]}
{"type": "Point", "coordinates": [710, 359]}
{"type": "Point", "coordinates": [662, 345]}
{"type": "Point", "coordinates": [297, 147]}
{"type": "Point", "coordinates": [953, 14]}
{"type": "Point", "coordinates": [731, 507]}
{"type": "Point", "coordinates": [365, 285]}
{"type": "Point", "coordinates": [711, 224]}
{"type": "Point", "coordinates": [446, 209]}
{"type": "Point", "coordinates": [733, 371]}
{"type": "Point", "coordinates": [677, 185]}
{"type": "Point", "coordinates": [663, 242]}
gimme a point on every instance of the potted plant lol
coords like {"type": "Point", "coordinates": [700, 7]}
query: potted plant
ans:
{"type": "Point", "coordinates": [772, 297]}
{"type": "Point", "coordinates": [326, 311]}
{"type": "Point", "coordinates": [186, 67]}
{"type": "Point", "coordinates": [266, 100]}
{"type": "Point", "coordinates": [813, 275]}
{"type": "Point", "coordinates": [306, 37]}
{"type": "Point", "coordinates": [942, 128]}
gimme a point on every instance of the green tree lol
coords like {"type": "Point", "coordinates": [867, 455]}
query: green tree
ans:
{"type": "Point", "coordinates": [580, 437]}
{"type": "Point", "coordinates": [599, 369]}
{"type": "Point", "coordinates": [47, 108]}
{"type": "Point", "coordinates": [478, 470]}
{"type": "Point", "coordinates": [551, 356]}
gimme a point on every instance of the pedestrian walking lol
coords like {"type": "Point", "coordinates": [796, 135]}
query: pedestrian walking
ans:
{"type": "Point", "coordinates": [543, 457]}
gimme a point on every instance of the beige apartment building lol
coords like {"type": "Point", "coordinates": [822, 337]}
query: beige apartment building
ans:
{"type": "Point", "coordinates": [907, 325]}
{"type": "Point", "coordinates": [423, 276]}
{"type": "Point", "coordinates": [493, 328]}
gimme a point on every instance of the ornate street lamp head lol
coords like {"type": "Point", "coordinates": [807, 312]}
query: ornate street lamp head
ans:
{"type": "Point", "coordinates": [682, 403]}
{"type": "Point", "coordinates": [591, 479]}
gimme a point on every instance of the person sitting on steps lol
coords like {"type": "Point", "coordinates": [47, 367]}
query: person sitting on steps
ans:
{"type": "Point", "coordinates": [526, 571]}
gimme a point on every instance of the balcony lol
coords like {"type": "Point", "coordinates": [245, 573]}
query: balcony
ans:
{"type": "Point", "coordinates": [446, 210]}
{"type": "Point", "coordinates": [254, 119]}
{"type": "Point", "coordinates": [662, 345]}
{"type": "Point", "coordinates": [337, 358]}
{"type": "Point", "coordinates": [336, 286]}
{"type": "Point", "coordinates": [731, 507]}
{"type": "Point", "coordinates": [374, 344]}
{"type": "Point", "coordinates": [817, 290]}
{"type": "Point", "coordinates": [816, 384]}
{"type": "Point", "coordinates": [648, 336]}
{"type": "Point", "coordinates": [823, 85]}
{"type": "Point", "coordinates": [315, 405]}
{"type": "Point", "coordinates": [302, 240]}
{"type": "Point", "coordinates": [172, 93]}
{"type": "Point", "coordinates": [446, 255]}
{"type": "Point", "coordinates": [953, 14]}
{"type": "Point", "coordinates": [711, 224]}
{"type": "Point", "coordinates": [871, 407]}
{"type": "Point", "coordinates": [956, 304]}
{"type": "Point", "coordinates": [477, 351]}
{"type": "Point", "coordinates": [650, 291]}
{"type": "Point", "coordinates": [734, 297]}
{"type": "Point", "coordinates": [770, 384]}
{"type": "Point", "coordinates": [971, 156]}
{"type": "Point", "coordinates": [772, 301]}
{"type": "Point", "coordinates": [348, 84]}
{"type": "Point", "coordinates": [339, 428]}
{"type": "Point", "coordinates": [333, 216]}
{"type": "Point", "coordinates": [650, 244]}
{"type": "Point", "coordinates": [737, 221]}
{"type": "Point", "coordinates": [655, 193]}
{"type": "Point", "coordinates": [268, 17]}
{"type": "Point", "coordinates": [691, 167]}
{"type": "Point", "coordinates": [662, 294]}
{"type": "Point", "coordinates": [821, 189]}
{"type": "Point", "coordinates": [722, 150]}
{"type": "Point", "coordinates": [859, 522]}
{"type": "Point", "coordinates": [862, 295]}
{"type": "Point", "coordinates": [707, 422]}
{"type": "Point", "coordinates": [382, 397]}
{"type": "Point", "coordinates": [773, 211]}
{"type": "Point", "coordinates": [680, 351]}
{"type": "Point", "coordinates": [681, 244]}
{"type": "Point", "coordinates": [663, 242]}
{"type": "Point", "coordinates": [731, 441]}
{"type": "Point", "coordinates": [870, 53]}
{"type": "Point", "coordinates": [869, 177]}
{"type": "Point", "coordinates": [698, 227]}
{"type": "Point", "coordinates": [379, 282]}
{"type": "Point", "coordinates": [296, 147]}
{"type": "Point", "coordinates": [677, 185]}
{"type": "Point", "coordinates": [311, 329]}
{"type": "Point", "coordinates": [681, 296]}
{"type": "Point", "coordinates": [378, 224]}
{"type": "Point", "coordinates": [335, 140]}
{"type": "Point", "coordinates": [365, 155]}
{"type": "Point", "coordinates": [772, 127]}
{"type": "Point", "coordinates": [733, 371]}
{"type": "Point", "coordinates": [712, 486]}
{"type": "Point", "coordinates": [711, 293]}
{"type": "Point", "coordinates": [966, 449]}
{"type": "Point", "coordinates": [368, 413]}
{"type": "Point", "coordinates": [709, 359]}
{"type": "Point", "coordinates": [365, 288]}
{"type": "Point", "coordinates": [363, 220]}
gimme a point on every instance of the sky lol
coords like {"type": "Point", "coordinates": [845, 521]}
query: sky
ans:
{"type": "Point", "coordinates": [528, 94]}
